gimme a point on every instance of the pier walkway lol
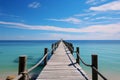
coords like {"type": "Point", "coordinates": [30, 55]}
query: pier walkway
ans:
{"type": "Point", "coordinates": [62, 66]}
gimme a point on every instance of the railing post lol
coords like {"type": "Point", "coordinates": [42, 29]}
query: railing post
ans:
{"type": "Point", "coordinates": [52, 49]}
{"type": "Point", "coordinates": [45, 52]}
{"type": "Point", "coordinates": [70, 47]}
{"type": "Point", "coordinates": [22, 67]}
{"type": "Point", "coordinates": [55, 45]}
{"type": "Point", "coordinates": [94, 64]}
{"type": "Point", "coordinates": [78, 53]}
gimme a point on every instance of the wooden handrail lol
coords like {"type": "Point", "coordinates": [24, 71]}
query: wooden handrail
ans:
{"type": "Point", "coordinates": [94, 65]}
{"type": "Point", "coordinates": [83, 61]}
{"type": "Point", "coordinates": [99, 73]}
{"type": "Point", "coordinates": [46, 52]}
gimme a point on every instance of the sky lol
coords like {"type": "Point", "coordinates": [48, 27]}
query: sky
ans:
{"type": "Point", "coordinates": [56, 19]}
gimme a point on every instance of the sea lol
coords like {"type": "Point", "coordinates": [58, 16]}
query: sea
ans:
{"type": "Point", "coordinates": [108, 52]}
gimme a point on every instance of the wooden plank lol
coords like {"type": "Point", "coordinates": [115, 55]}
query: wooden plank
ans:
{"type": "Point", "coordinates": [62, 66]}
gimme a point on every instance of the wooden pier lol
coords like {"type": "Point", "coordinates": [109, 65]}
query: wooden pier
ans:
{"type": "Point", "coordinates": [62, 66]}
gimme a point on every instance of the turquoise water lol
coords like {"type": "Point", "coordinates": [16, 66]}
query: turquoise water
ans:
{"type": "Point", "coordinates": [11, 50]}
{"type": "Point", "coordinates": [108, 54]}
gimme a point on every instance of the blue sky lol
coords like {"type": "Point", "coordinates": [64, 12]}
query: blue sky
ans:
{"type": "Point", "coordinates": [56, 19]}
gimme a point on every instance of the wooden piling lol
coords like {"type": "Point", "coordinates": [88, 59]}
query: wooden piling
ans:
{"type": "Point", "coordinates": [45, 52]}
{"type": "Point", "coordinates": [22, 66]}
{"type": "Point", "coordinates": [94, 64]}
{"type": "Point", "coordinates": [78, 53]}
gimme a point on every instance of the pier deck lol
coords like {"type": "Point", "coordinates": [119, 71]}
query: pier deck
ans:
{"type": "Point", "coordinates": [62, 66]}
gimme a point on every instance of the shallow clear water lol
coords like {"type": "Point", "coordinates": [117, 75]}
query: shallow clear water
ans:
{"type": "Point", "coordinates": [11, 50]}
{"type": "Point", "coordinates": [108, 55]}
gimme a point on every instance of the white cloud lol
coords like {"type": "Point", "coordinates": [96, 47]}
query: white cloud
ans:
{"type": "Point", "coordinates": [89, 36]}
{"type": "Point", "coordinates": [94, 2]}
{"type": "Point", "coordinates": [115, 5]}
{"type": "Point", "coordinates": [109, 28]}
{"type": "Point", "coordinates": [101, 18]}
{"type": "Point", "coordinates": [34, 5]}
{"type": "Point", "coordinates": [109, 31]}
{"type": "Point", "coordinates": [69, 20]}
{"type": "Point", "coordinates": [90, 1]}
{"type": "Point", "coordinates": [8, 15]}
{"type": "Point", "coordinates": [108, 18]}
{"type": "Point", "coordinates": [86, 14]}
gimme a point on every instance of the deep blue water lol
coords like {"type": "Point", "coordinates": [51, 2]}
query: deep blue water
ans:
{"type": "Point", "coordinates": [108, 52]}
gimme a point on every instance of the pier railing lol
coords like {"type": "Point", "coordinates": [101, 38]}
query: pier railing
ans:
{"type": "Point", "coordinates": [93, 66]}
{"type": "Point", "coordinates": [23, 74]}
